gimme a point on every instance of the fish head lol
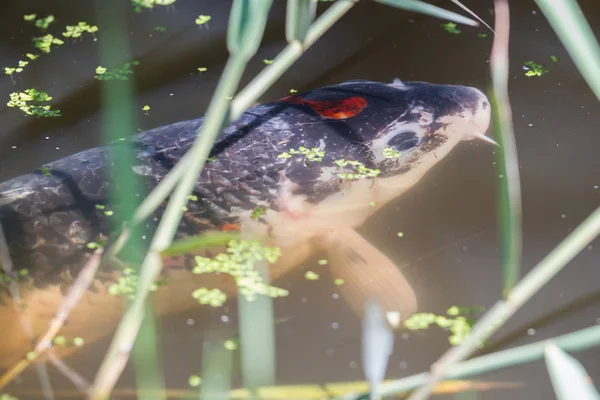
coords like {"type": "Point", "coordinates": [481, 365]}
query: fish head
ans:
{"type": "Point", "coordinates": [404, 128]}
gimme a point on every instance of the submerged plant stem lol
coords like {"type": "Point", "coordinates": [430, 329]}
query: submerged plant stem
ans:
{"type": "Point", "coordinates": [510, 182]}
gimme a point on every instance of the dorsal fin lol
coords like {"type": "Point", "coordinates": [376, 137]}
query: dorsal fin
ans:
{"type": "Point", "coordinates": [398, 83]}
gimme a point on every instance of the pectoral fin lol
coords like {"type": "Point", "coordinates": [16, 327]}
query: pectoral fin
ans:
{"type": "Point", "coordinates": [368, 273]}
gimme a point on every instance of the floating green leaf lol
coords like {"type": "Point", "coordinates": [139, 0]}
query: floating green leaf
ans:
{"type": "Point", "coordinates": [533, 69]}
{"type": "Point", "coordinates": [121, 73]}
{"type": "Point", "coordinates": [450, 27]}
{"type": "Point", "coordinates": [203, 19]}
{"type": "Point", "coordinates": [45, 43]}
{"type": "Point", "coordinates": [79, 29]}
{"type": "Point", "coordinates": [22, 101]}
{"type": "Point", "coordinates": [138, 5]}
{"type": "Point", "coordinates": [43, 23]}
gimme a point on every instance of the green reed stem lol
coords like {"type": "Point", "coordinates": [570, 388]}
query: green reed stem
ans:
{"type": "Point", "coordinates": [429, 9]}
{"type": "Point", "coordinates": [508, 163]}
{"type": "Point", "coordinates": [257, 337]}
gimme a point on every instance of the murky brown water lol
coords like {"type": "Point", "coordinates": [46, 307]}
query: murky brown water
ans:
{"type": "Point", "coordinates": [450, 238]}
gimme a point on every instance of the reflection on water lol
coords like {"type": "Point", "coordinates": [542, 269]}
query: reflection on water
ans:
{"type": "Point", "coordinates": [449, 248]}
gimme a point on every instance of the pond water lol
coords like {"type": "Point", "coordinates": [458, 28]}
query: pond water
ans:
{"type": "Point", "coordinates": [450, 248]}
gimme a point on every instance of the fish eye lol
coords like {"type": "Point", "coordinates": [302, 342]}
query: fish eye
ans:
{"type": "Point", "coordinates": [404, 141]}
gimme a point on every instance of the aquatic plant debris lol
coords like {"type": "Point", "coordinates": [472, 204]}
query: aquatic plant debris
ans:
{"type": "Point", "coordinates": [258, 212]}
{"type": "Point", "coordinates": [450, 27]}
{"type": "Point", "coordinates": [388, 152]}
{"type": "Point", "coordinates": [22, 100]}
{"type": "Point", "coordinates": [212, 297]}
{"type": "Point", "coordinates": [231, 344]}
{"type": "Point", "coordinates": [44, 43]}
{"type": "Point", "coordinates": [10, 71]}
{"type": "Point", "coordinates": [127, 284]}
{"type": "Point", "coordinates": [313, 154]}
{"type": "Point", "coordinates": [459, 326]}
{"type": "Point", "coordinates": [139, 5]}
{"type": "Point", "coordinates": [41, 23]}
{"type": "Point", "coordinates": [194, 381]}
{"type": "Point", "coordinates": [311, 276]}
{"type": "Point", "coordinates": [239, 261]}
{"type": "Point", "coordinates": [77, 30]}
{"type": "Point", "coordinates": [533, 69]}
{"type": "Point", "coordinates": [120, 73]}
{"type": "Point", "coordinates": [360, 171]}
{"type": "Point", "coordinates": [203, 19]}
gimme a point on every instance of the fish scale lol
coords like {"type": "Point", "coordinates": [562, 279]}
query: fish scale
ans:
{"type": "Point", "coordinates": [49, 215]}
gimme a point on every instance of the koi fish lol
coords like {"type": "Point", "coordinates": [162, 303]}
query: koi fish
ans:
{"type": "Point", "coordinates": [318, 164]}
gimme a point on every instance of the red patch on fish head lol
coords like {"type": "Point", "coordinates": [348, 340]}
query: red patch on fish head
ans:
{"type": "Point", "coordinates": [333, 109]}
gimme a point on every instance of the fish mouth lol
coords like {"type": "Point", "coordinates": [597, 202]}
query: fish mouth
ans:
{"type": "Point", "coordinates": [480, 121]}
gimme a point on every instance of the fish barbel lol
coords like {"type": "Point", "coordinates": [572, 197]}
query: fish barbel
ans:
{"type": "Point", "coordinates": [318, 164]}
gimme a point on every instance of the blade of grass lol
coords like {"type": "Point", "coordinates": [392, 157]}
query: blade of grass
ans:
{"type": "Point", "coordinates": [461, 5]}
{"type": "Point", "coordinates": [428, 9]}
{"type": "Point", "coordinates": [569, 23]}
{"type": "Point", "coordinates": [571, 342]}
{"type": "Point", "coordinates": [569, 378]}
{"type": "Point", "coordinates": [148, 374]}
{"type": "Point", "coordinates": [300, 14]}
{"type": "Point", "coordinates": [246, 27]}
{"type": "Point", "coordinates": [117, 97]}
{"type": "Point", "coordinates": [217, 367]}
{"type": "Point", "coordinates": [257, 336]}
{"type": "Point", "coordinates": [377, 344]}
{"type": "Point", "coordinates": [508, 164]}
